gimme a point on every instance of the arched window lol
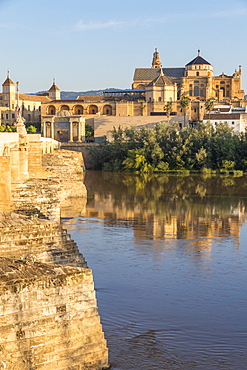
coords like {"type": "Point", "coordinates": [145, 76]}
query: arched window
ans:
{"type": "Point", "coordinates": [64, 107]}
{"type": "Point", "coordinates": [196, 90]}
{"type": "Point", "coordinates": [223, 89]}
{"type": "Point", "coordinates": [51, 110]}
{"type": "Point", "coordinates": [107, 110]}
{"type": "Point", "coordinates": [78, 109]}
{"type": "Point", "coordinates": [93, 109]}
{"type": "Point", "coordinates": [197, 73]}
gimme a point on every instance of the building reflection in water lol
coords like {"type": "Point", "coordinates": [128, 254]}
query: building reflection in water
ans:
{"type": "Point", "coordinates": [164, 207]}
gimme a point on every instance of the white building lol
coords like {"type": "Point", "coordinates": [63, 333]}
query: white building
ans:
{"type": "Point", "coordinates": [236, 118]}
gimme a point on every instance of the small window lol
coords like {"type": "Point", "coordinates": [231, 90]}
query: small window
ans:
{"type": "Point", "coordinates": [39, 108]}
{"type": "Point", "coordinates": [202, 85]}
{"type": "Point", "coordinates": [28, 107]}
{"type": "Point", "coordinates": [195, 110]}
{"type": "Point", "coordinates": [196, 91]}
{"type": "Point", "coordinates": [13, 106]}
{"type": "Point", "coordinates": [190, 92]}
{"type": "Point", "coordinates": [233, 122]}
{"type": "Point", "coordinates": [29, 117]}
{"type": "Point", "coordinates": [217, 86]}
{"type": "Point", "coordinates": [7, 116]}
{"type": "Point", "coordinates": [227, 93]}
{"type": "Point", "coordinates": [201, 92]}
{"type": "Point", "coordinates": [196, 82]}
{"type": "Point", "coordinates": [222, 82]}
{"type": "Point", "coordinates": [190, 85]}
{"type": "Point", "coordinates": [13, 115]}
{"type": "Point", "coordinates": [159, 98]}
{"type": "Point", "coordinates": [197, 73]}
{"type": "Point", "coordinates": [228, 86]}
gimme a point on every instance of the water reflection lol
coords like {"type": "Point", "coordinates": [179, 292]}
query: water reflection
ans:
{"type": "Point", "coordinates": [170, 207]}
{"type": "Point", "coordinates": [169, 259]}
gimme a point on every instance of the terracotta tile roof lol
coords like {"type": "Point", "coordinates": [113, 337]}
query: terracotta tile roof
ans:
{"type": "Point", "coordinates": [147, 74]}
{"type": "Point", "coordinates": [38, 98]}
{"type": "Point", "coordinates": [161, 80]}
{"type": "Point", "coordinates": [54, 88]}
{"type": "Point", "coordinates": [91, 99]}
{"type": "Point", "coordinates": [8, 81]}
{"type": "Point", "coordinates": [222, 116]}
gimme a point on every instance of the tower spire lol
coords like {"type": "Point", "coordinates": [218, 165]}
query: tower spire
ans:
{"type": "Point", "coordinates": [156, 59]}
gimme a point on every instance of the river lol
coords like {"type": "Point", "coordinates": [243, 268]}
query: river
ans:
{"type": "Point", "coordinates": [169, 257]}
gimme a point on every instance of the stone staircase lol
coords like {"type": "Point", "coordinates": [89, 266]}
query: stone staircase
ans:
{"type": "Point", "coordinates": [39, 240]}
{"type": "Point", "coordinates": [37, 197]}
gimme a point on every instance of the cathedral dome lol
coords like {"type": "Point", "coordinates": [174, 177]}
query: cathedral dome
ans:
{"type": "Point", "coordinates": [198, 61]}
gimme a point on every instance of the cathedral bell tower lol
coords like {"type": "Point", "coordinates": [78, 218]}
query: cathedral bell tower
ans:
{"type": "Point", "coordinates": [8, 89]}
{"type": "Point", "coordinates": [54, 92]}
{"type": "Point", "coordinates": [156, 59]}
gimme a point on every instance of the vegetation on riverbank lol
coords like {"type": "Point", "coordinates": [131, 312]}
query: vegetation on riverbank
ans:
{"type": "Point", "coordinates": [166, 148]}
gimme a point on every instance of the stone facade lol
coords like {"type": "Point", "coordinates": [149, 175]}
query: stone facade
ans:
{"type": "Point", "coordinates": [49, 318]}
{"type": "Point", "coordinates": [30, 104]}
{"type": "Point", "coordinates": [48, 310]}
{"type": "Point", "coordinates": [152, 88]}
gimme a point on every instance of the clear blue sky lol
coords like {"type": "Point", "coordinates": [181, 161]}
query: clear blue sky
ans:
{"type": "Point", "coordinates": [97, 44]}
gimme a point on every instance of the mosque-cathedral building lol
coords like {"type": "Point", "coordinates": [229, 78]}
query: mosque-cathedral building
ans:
{"type": "Point", "coordinates": [151, 89]}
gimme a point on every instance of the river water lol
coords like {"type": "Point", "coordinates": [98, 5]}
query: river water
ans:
{"type": "Point", "coordinates": [169, 257]}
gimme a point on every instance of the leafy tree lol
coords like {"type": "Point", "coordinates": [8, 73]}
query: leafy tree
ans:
{"type": "Point", "coordinates": [89, 131]}
{"type": "Point", "coordinates": [168, 110]}
{"type": "Point", "coordinates": [31, 129]}
{"type": "Point", "coordinates": [136, 161]}
{"type": "Point", "coordinates": [209, 104]}
{"type": "Point", "coordinates": [184, 103]}
{"type": "Point", "coordinates": [166, 147]}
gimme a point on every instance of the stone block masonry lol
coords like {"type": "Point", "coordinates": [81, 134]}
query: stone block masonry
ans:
{"type": "Point", "coordinates": [49, 318]}
{"type": "Point", "coordinates": [48, 311]}
{"type": "Point", "coordinates": [34, 239]}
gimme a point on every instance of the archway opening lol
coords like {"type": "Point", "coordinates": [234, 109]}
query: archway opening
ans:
{"type": "Point", "coordinates": [78, 109]}
{"type": "Point", "coordinates": [107, 110]}
{"type": "Point", "coordinates": [51, 110]}
{"type": "Point", "coordinates": [93, 109]}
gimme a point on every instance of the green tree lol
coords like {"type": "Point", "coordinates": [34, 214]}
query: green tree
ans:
{"type": "Point", "coordinates": [184, 103]}
{"type": "Point", "coordinates": [89, 131]}
{"type": "Point", "coordinates": [209, 104]}
{"type": "Point", "coordinates": [31, 129]}
{"type": "Point", "coordinates": [137, 162]}
{"type": "Point", "coordinates": [168, 109]}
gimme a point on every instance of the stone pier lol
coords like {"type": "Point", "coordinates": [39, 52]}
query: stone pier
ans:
{"type": "Point", "coordinates": [48, 310]}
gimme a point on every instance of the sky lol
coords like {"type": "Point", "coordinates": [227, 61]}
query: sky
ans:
{"type": "Point", "coordinates": [96, 44]}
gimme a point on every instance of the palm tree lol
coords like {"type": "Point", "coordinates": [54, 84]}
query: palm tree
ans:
{"type": "Point", "coordinates": [184, 103]}
{"type": "Point", "coordinates": [209, 104]}
{"type": "Point", "coordinates": [168, 108]}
